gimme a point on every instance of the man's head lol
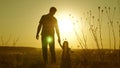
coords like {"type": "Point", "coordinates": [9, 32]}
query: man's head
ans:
{"type": "Point", "coordinates": [52, 10]}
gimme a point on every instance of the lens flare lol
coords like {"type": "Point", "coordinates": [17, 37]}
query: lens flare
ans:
{"type": "Point", "coordinates": [49, 39]}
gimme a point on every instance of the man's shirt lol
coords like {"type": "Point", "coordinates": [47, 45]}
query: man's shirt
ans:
{"type": "Point", "coordinates": [48, 24]}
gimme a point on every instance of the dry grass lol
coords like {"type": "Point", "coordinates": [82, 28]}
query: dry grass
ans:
{"type": "Point", "coordinates": [12, 57]}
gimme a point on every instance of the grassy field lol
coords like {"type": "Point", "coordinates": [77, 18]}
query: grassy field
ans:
{"type": "Point", "coordinates": [26, 57]}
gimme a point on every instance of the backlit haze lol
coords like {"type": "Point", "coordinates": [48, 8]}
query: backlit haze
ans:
{"type": "Point", "coordinates": [19, 20]}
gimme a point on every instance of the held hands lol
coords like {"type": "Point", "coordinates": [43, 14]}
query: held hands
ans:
{"type": "Point", "coordinates": [37, 37]}
{"type": "Point", "coordinates": [59, 41]}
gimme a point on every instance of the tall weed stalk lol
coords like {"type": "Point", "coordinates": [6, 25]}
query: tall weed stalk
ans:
{"type": "Point", "coordinates": [100, 24]}
{"type": "Point", "coordinates": [93, 29]}
{"type": "Point", "coordinates": [111, 20]}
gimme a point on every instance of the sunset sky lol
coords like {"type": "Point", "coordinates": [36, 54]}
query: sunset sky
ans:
{"type": "Point", "coordinates": [19, 19]}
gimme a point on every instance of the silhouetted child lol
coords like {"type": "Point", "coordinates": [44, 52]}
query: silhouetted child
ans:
{"type": "Point", "coordinates": [65, 59]}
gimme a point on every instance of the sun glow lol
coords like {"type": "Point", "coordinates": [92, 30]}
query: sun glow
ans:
{"type": "Point", "coordinates": [67, 28]}
{"type": "Point", "coordinates": [65, 24]}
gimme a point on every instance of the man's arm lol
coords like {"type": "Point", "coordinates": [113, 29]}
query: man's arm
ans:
{"type": "Point", "coordinates": [58, 34]}
{"type": "Point", "coordinates": [57, 31]}
{"type": "Point", "coordinates": [39, 28]}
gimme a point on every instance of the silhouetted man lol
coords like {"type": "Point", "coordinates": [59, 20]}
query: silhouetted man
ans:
{"type": "Point", "coordinates": [48, 24]}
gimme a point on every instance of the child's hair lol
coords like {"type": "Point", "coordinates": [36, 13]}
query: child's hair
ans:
{"type": "Point", "coordinates": [65, 45]}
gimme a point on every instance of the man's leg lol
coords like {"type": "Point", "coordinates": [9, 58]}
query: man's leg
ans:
{"type": "Point", "coordinates": [44, 49]}
{"type": "Point", "coordinates": [52, 50]}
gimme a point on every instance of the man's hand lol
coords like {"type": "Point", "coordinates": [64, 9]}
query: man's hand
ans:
{"type": "Point", "coordinates": [37, 37]}
{"type": "Point", "coordinates": [59, 41]}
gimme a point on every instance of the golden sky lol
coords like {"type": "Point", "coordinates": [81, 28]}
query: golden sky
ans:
{"type": "Point", "coordinates": [19, 19]}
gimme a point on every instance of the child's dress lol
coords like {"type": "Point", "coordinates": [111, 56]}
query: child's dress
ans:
{"type": "Point", "coordinates": [65, 59]}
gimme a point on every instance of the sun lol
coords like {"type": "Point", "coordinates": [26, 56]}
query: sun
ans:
{"type": "Point", "coordinates": [67, 27]}
{"type": "Point", "coordinates": [65, 24]}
